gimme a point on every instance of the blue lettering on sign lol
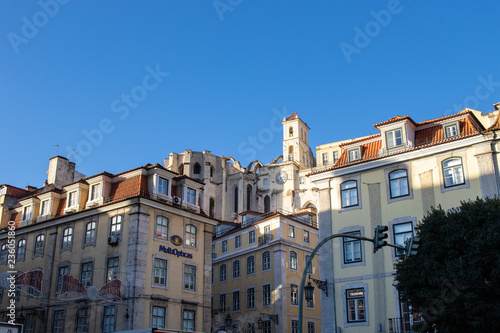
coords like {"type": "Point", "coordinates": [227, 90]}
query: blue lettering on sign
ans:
{"type": "Point", "coordinates": [175, 252]}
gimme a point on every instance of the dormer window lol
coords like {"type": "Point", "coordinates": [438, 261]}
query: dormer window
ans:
{"type": "Point", "coordinates": [27, 213]}
{"type": "Point", "coordinates": [44, 207]}
{"type": "Point", "coordinates": [394, 138]}
{"type": "Point", "coordinates": [72, 199]}
{"type": "Point", "coordinates": [353, 154]}
{"type": "Point", "coordinates": [95, 192]}
{"type": "Point", "coordinates": [451, 130]}
{"type": "Point", "coordinates": [162, 186]}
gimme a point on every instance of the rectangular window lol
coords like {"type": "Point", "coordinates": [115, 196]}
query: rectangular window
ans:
{"type": "Point", "coordinates": [251, 237]}
{"type": "Point", "coordinates": [162, 227]}
{"type": "Point", "coordinates": [325, 158]}
{"type": "Point", "coordinates": [44, 209]}
{"type": "Point", "coordinates": [355, 305]}
{"type": "Point", "coordinates": [291, 231]}
{"type": "Point", "coordinates": [113, 269]}
{"type": "Point", "coordinates": [86, 274]}
{"type": "Point", "coordinates": [266, 295]}
{"type": "Point", "coordinates": [108, 320]}
{"type": "Point", "coordinates": [222, 302]}
{"type": "Point", "coordinates": [266, 261]}
{"type": "Point", "coordinates": [72, 199]}
{"type": "Point", "coordinates": [29, 326]}
{"type": "Point", "coordinates": [402, 232]}
{"type": "Point", "coordinates": [116, 225]}
{"type": "Point", "coordinates": [398, 181]}
{"type": "Point", "coordinates": [353, 154]}
{"type": "Point", "coordinates": [27, 213]}
{"type": "Point", "coordinates": [162, 186]}
{"type": "Point", "coordinates": [189, 277]}
{"type": "Point", "coordinates": [349, 193]}
{"type": "Point", "coordinates": [95, 192]}
{"type": "Point", "coordinates": [310, 327]}
{"type": "Point", "coordinates": [236, 301]}
{"type": "Point", "coordinates": [222, 273]}
{"type": "Point", "coordinates": [267, 229]}
{"type": "Point", "coordinates": [214, 252]}
{"type": "Point", "coordinates": [61, 272]}
{"type": "Point", "coordinates": [90, 233]}
{"type": "Point", "coordinates": [158, 317]}
{"type": "Point", "coordinates": [224, 246]}
{"type": "Point", "coordinates": [451, 130]}
{"type": "Point", "coordinates": [265, 181]}
{"type": "Point", "coordinates": [294, 296]}
{"type": "Point", "coordinates": [58, 322]}
{"type": "Point", "coordinates": [394, 138]}
{"type": "Point", "coordinates": [250, 298]}
{"type": "Point", "coordinates": [306, 236]}
{"type": "Point", "coordinates": [160, 272]}
{"type": "Point", "coordinates": [335, 157]}
{"type": "Point", "coordinates": [352, 248]}
{"type": "Point", "coordinates": [82, 321]}
{"type": "Point", "coordinates": [21, 249]}
{"type": "Point", "coordinates": [251, 265]}
{"type": "Point", "coordinates": [191, 196]}
{"type": "Point", "coordinates": [236, 269]}
{"type": "Point", "coordinates": [188, 321]}
{"type": "Point", "coordinates": [237, 242]}
{"type": "Point", "coordinates": [295, 326]}
{"type": "Point", "coordinates": [266, 326]}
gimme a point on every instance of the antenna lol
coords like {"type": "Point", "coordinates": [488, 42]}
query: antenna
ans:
{"type": "Point", "coordinates": [57, 149]}
{"type": "Point", "coordinates": [73, 154]}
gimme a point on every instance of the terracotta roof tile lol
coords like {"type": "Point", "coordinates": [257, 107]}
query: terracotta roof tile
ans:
{"type": "Point", "coordinates": [360, 140]}
{"type": "Point", "coordinates": [393, 120]}
{"type": "Point", "coordinates": [293, 116]}
{"type": "Point", "coordinates": [129, 187]}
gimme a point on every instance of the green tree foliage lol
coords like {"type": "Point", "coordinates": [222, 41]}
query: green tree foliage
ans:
{"type": "Point", "coordinates": [454, 280]}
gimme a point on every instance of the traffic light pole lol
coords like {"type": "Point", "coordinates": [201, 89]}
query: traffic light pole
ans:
{"type": "Point", "coordinates": [311, 257]}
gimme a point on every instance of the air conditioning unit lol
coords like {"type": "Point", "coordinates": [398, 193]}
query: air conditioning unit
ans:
{"type": "Point", "coordinates": [176, 200]}
{"type": "Point", "coordinates": [112, 240]}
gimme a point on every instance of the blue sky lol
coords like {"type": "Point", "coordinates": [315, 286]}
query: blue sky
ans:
{"type": "Point", "coordinates": [127, 82]}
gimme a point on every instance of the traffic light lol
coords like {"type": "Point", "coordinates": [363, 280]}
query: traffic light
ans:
{"type": "Point", "coordinates": [380, 235]}
{"type": "Point", "coordinates": [412, 246]}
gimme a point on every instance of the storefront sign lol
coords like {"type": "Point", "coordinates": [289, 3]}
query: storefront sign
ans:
{"type": "Point", "coordinates": [356, 293]}
{"type": "Point", "coordinates": [175, 252]}
{"type": "Point", "coordinates": [176, 240]}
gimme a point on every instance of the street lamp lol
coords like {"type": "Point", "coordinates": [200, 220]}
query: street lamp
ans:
{"type": "Point", "coordinates": [228, 321]}
{"type": "Point", "coordinates": [309, 292]}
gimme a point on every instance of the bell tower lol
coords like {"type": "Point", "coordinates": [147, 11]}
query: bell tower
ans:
{"type": "Point", "coordinates": [296, 142]}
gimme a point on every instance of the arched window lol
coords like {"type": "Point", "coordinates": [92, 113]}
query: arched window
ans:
{"type": "Point", "coordinates": [190, 237]}
{"type": "Point", "coordinates": [266, 261]}
{"type": "Point", "coordinates": [197, 169]}
{"type": "Point", "coordinates": [211, 209]}
{"type": "Point", "coordinates": [349, 193]}
{"type": "Point", "coordinates": [67, 238]}
{"type": "Point", "coordinates": [181, 169]}
{"type": "Point", "coordinates": [267, 204]}
{"type": "Point", "coordinates": [290, 153]}
{"type": "Point", "coordinates": [290, 132]}
{"type": "Point", "coordinates": [211, 171]}
{"type": "Point", "coordinates": [453, 172]}
{"type": "Point", "coordinates": [251, 265]}
{"type": "Point", "coordinates": [21, 249]}
{"type": "Point", "coordinates": [222, 273]}
{"type": "Point", "coordinates": [236, 269]}
{"type": "Point", "coordinates": [235, 199]}
{"type": "Point", "coordinates": [293, 260]}
{"type": "Point", "coordinates": [39, 244]}
{"type": "Point", "coordinates": [398, 181]}
{"type": "Point", "coordinates": [249, 197]}
{"type": "Point", "coordinates": [90, 233]}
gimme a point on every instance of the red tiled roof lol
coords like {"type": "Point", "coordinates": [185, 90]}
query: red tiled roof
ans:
{"type": "Point", "coordinates": [293, 116]}
{"type": "Point", "coordinates": [360, 140]}
{"type": "Point", "coordinates": [129, 187]}
{"type": "Point", "coordinates": [393, 120]}
{"type": "Point", "coordinates": [16, 191]}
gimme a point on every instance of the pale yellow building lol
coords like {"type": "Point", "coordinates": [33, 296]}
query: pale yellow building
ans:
{"type": "Point", "coordinates": [109, 252]}
{"type": "Point", "coordinates": [393, 179]}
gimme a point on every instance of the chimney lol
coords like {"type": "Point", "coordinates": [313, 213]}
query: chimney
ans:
{"type": "Point", "coordinates": [30, 188]}
{"type": "Point", "coordinates": [497, 106]}
{"type": "Point", "coordinates": [61, 171]}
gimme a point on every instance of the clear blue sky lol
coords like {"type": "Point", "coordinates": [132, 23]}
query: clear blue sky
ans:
{"type": "Point", "coordinates": [145, 78]}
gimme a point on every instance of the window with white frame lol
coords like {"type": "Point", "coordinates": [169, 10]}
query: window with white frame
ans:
{"type": "Point", "coordinates": [72, 199]}
{"type": "Point", "coordinates": [224, 246]}
{"type": "Point", "coordinates": [27, 213]}
{"type": "Point", "coordinates": [108, 319]}
{"type": "Point", "coordinates": [58, 322]}
{"type": "Point", "coordinates": [87, 270]}
{"type": "Point", "coordinates": [190, 238]}
{"type": "Point", "coordinates": [325, 158]}
{"type": "Point", "coordinates": [222, 273]}
{"type": "Point", "coordinates": [189, 277]}
{"type": "Point", "coordinates": [402, 232]}
{"type": "Point", "coordinates": [116, 225]}
{"type": "Point", "coordinates": [162, 227]}
{"type": "Point", "coordinates": [90, 233]}
{"type": "Point", "coordinates": [453, 172]}
{"type": "Point", "coordinates": [311, 327]}
{"type": "Point", "coordinates": [67, 239]}
{"type": "Point", "coordinates": [95, 192]}
{"type": "Point", "coordinates": [21, 249]}
{"type": "Point", "coordinates": [266, 295]}
{"type": "Point", "coordinates": [291, 231]}
{"type": "Point", "coordinates": [398, 181]}
{"type": "Point", "coordinates": [293, 260]}
{"type": "Point", "coordinates": [335, 157]}
{"type": "Point", "coordinates": [237, 242]}
{"type": "Point", "coordinates": [160, 272]}
{"type": "Point", "coordinates": [251, 237]}
{"type": "Point", "coordinates": [294, 294]}
{"type": "Point", "coordinates": [353, 154]}
{"type": "Point", "coordinates": [39, 244]}
{"type": "Point", "coordinates": [451, 130]}
{"type": "Point", "coordinates": [250, 265]}
{"type": "Point", "coordinates": [352, 248]}
{"type": "Point", "coordinates": [162, 186]}
{"type": "Point", "coordinates": [295, 326]}
{"type": "Point", "coordinates": [236, 301]}
{"type": "Point", "coordinates": [191, 196]}
{"type": "Point", "coordinates": [236, 269]}
{"type": "Point", "coordinates": [266, 261]}
{"type": "Point", "coordinates": [82, 321]}
{"type": "Point", "coordinates": [306, 236]}
{"type": "Point", "coordinates": [158, 317]}
{"type": "Point", "coordinates": [394, 138]}
{"type": "Point", "coordinates": [355, 305]}
{"type": "Point", "coordinates": [61, 272]}
{"type": "Point", "coordinates": [112, 269]}
{"type": "Point", "coordinates": [188, 320]}
{"type": "Point", "coordinates": [349, 193]}
{"type": "Point", "coordinates": [44, 207]}
{"type": "Point", "coordinates": [250, 298]}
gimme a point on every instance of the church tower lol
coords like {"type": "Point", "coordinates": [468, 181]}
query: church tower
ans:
{"type": "Point", "coordinates": [296, 142]}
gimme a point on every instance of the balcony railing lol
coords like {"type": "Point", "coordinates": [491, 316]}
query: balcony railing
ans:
{"type": "Point", "coordinates": [399, 325]}
{"type": "Point", "coordinates": [265, 239]}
